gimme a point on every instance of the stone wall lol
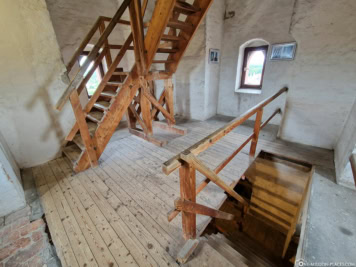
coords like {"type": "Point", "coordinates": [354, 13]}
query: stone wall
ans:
{"type": "Point", "coordinates": [321, 79]}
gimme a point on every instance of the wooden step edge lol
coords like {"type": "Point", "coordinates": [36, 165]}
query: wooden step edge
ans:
{"type": "Point", "coordinates": [186, 8]}
{"type": "Point", "coordinates": [172, 38]}
{"type": "Point", "coordinates": [101, 106]}
{"type": "Point", "coordinates": [117, 84]}
{"type": "Point", "coordinates": [176, 24]}
{"type": "Point", "coordinates": [73, 153]}
{"type": "Point", "coordinates": [121, 73]}
{"type": "Point", "coordinates": [79, 142]}
{"type": "Point", "coordinates": [162, 61]}
{"type": "Point", "coordinates": [167, 50]}
{"type": "Point", "coordinates": [108, 94]}
{"type": "Point", "coordinates": [92, 118]}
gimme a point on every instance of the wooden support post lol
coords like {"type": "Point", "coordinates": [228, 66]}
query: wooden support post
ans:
{"type": "Point", "coordinates": [138, 36]}
{"type": "Point", "coordinates": [168, 85]}
{"type": "Point", "coordinates": [161, 101]}
{"type": "Point", "coordinates": [154, 102]}
{"type": "Point", "coordinates": [256, 132]}
{"type": "Point", "coordinates": [187, 191]}
{"type": "Point", "coordinates": [145, 106]}
{"type": "Point", "coordinates": [108, 57]}
{"type": "Point", "coordinates": [83, 128]}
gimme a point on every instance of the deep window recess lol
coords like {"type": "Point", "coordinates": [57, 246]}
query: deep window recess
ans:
{"type": "Point", "coordinates": [253, 67]}
{"type": "Point", "coordinates": [95, 79]}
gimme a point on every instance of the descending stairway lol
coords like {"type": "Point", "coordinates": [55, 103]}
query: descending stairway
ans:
{"type": "Point", "coordinates": [217, 250]}
{"type": "Point", "coordinates": [169, 33]}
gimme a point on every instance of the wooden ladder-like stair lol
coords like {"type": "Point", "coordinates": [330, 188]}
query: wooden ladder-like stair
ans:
{"type": "Point", "coordinates": [170, 30]}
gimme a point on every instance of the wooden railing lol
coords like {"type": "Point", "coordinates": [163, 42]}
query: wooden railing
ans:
{"type": "Point", "coordinates": [188, 163]}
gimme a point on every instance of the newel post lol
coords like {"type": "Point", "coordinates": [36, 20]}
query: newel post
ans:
{"type": "Point", "coordinates": [187, 192]}
{"type": "Point", "coordinates": [256, 132]}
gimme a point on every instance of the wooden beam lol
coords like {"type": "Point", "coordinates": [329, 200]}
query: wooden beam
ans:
{"type": "Point", "coordinates": [172, 164]}
{"type": "Point", "coordinates": [158, 75]}
{"type": "Point", "coordinates": [187, 192]}
{"type": "Point", "coordinates": [187, 250]}
{"type": "Point", "coordinates": [170, 128]}
{"type": "Point", "coordinates": [168, 85]}
{"type": "Point", "coordinates": [161, 102]}
{"type": "Point", "coordinates": [83, 127]}
{"type": "Point", "coordinates": [79, 76]}
{"type": "Point", "coordinates": [154, 102]}
{"type": "Point", "coordinates": [199, 165]}
{"type": "Point", "coordinates": [106, 45]}
{"type": "Point", "coordinates": [148, 138]}
{"type": "Point", "coordinates": [138, 118]}
{"type": "Point", "coordinates": [145, 107]}
{"type": "Point", "coordinates": [191, 207]}
{"type": "Point", "coordinates": [256, 132]}
{"type": "Point", "coordinates": [138, 36]}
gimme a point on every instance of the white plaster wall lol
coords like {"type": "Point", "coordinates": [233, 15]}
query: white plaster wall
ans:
{"type": "Point", "coordinates": [345, 145]}
{"type": "Point", "coordinates": [12, 196]}
{"type": "Point", "coordinates": [322, 77]}
{"type": "Point", "coordinates": [31, 81]}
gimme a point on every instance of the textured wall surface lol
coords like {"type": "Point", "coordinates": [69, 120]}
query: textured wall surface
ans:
{"type": "Point", "coordinates": [322, 77]}
{"type": "Point", "coordinates": [10, 182]}
{"type": "Point", "coordinates": [345, 146]}
{"type": "Point", "coordinates": [30, 82]}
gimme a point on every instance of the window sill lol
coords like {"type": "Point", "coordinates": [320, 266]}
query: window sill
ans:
{"type": "Point", "coordinates": [249, 91]}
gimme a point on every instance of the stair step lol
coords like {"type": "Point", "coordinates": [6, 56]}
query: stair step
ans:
{"type": "Point", "coordinates": [72, 152]}
{"type": "Point", "coordinates": [176, 24]}
{"type": "Point", "coordinates": [79, 141]}
{"type": "Point", "coordinates": [117, 84]}
{"type": "Point", "coordinates": [121, 73]}
{"type": "Point", "coordinates": [167, 50]}
{"type": "Point", "coordinates": [108, 94]}
{"type": "Point", "coordinates": [162, 61]}
{"type": "Point", "coordinates": [228, 252]}
{"type": "Point", "coordinates": [92, 127]}
{"type": "Point", "coordinates": [102, 105]}
{"type": "Point", "coordinates": [95, 116]}
{"type": "Point", "coordinates": [172, 38]}
{"type": "Point", "coordinates": [186, 8]}
{"type": "Point", "coordinates": [251, 250]}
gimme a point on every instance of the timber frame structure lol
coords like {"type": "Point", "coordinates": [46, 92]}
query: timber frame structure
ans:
{"type": "Point", "coordinates": [170, 30]}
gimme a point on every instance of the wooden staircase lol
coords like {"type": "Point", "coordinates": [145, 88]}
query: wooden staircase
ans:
{"type": "Point", "coordinates": [217, 250]}
{"type": "Point", "coordinates": [169, 32]}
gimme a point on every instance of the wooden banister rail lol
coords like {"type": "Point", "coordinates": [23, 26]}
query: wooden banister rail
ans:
{"type": "Point", "coordinates": [174, 163]}
{"type": "Point", "coordinates": [353, 165]}
{"type": "Point", "coordinates": [188, 163]}
{"type": "Point", "coordinates": [92, 55]}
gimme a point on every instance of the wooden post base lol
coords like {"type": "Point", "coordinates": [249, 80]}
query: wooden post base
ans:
{"type": "Point", "coordinates": [170, 128]}
{"type": "Point", "coordinates": [148, 138]}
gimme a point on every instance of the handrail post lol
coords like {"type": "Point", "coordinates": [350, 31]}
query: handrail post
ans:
{"type": "Point", "coordinates": [187, 192]}
{"type": "Point", "coordinates": [256, 132]}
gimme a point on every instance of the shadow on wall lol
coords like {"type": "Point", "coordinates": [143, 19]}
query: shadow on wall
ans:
{"type": "Point", "coordinates": [42, 96]}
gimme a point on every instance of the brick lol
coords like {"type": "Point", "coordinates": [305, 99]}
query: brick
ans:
{"type": "Point", "coordinates": [23, 255]}
{"type": "Point", "coordinates": [12, 248]}
{"type": "Point", "coordinates": [20, 223]}
{"type": "Point", "coordinates": [32, 227]}
{"type": "Point", "coordinates": [5, 231]}
{"type": "Point", "coordinates": [37, 235]}
{"type": "Point", "coordinates": [25, 212]}
{"type": "Point", "coordinates": [10, 238]}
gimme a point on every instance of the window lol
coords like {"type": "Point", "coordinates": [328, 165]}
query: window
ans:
{"type": "Point", "coordinates": [253, 67]}
{"type": "Point", "coordinates": [95, 79]}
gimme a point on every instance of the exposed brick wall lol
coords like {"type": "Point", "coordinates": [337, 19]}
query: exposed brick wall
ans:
{"type": "Point", "coordinates": [24, 243]}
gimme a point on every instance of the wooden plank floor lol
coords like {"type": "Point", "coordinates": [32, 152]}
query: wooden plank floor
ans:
{"type": "Point", "coordinates": [116, 214]}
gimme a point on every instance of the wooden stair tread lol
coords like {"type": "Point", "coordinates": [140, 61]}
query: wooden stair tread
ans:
{"type": "Point", "coordinates": [121, 73]}
{"type": "Point", "coordinates": [103, 105]}
{"type": "Point", "coordinates": [108, 94]}
{"type": "Point", "coordinates": [117, 84]}
{"type": "Point", "coordinates": [186, 8]}
{"type": "Point", "coordinates": [79, 141]}
{"type": "Point", "coordinates": [173, 38]}
{"type": "Point", "coordinates": [167, 50]}
{"type": "Point", "coordinates": [251, 250]}
{"type": "Point", "coordinates": [92, 127]}
{"type": "Point", "coordinates": [72, 152]}
{"type": "Point", "coordinates": [95, 116]}
{"type": "Point", "coordinates": [162, 61]}
{"type": "Point", "coordinates": [227, 251]}
{"type": "Point", "coordinates": [176, 24]}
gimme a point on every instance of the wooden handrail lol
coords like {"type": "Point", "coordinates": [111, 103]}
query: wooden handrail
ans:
{"type": "Point", "coordinates": [174, 163]}
{"type": "Point", "coordinates": [79, 76]}
{"type": "Point", "coordinates": [188, 164]}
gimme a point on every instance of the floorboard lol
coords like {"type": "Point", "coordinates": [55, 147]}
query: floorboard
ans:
{"type": "Point", "coordinates": [116, 214]}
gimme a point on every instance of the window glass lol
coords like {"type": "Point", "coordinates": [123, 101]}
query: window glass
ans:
{"type": "Point", "coordinates": [94, 80]}
{"type": "Point", "coordinates": [254, 67]}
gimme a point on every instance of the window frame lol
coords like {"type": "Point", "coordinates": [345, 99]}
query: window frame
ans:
{"type": "Point", "coordinates": [247, 50]}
